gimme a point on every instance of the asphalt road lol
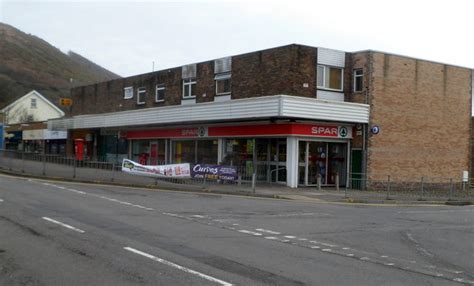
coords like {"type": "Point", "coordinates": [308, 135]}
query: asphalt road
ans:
{"type": "Point", "coordinates": [55, 233]}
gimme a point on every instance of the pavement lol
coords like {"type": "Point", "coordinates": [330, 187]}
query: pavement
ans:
{"type": "Point", "coordinates": [59, 172]}
{"type": "Point", "coordinates": [71, 233]}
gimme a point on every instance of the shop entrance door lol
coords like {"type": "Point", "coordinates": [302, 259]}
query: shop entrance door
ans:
{"type": "Point", "coordinates": [322, 159]}
{"type": "Point", "coordinates": [278, 160]}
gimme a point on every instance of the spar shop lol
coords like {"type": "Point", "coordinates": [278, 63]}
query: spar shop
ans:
{"type": "Point", "coordinates": [286, 145]}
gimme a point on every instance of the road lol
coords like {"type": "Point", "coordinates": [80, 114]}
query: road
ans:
{"type": "Point", "coordinates": [55, 233]}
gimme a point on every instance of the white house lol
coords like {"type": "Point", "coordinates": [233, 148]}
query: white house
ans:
{"type": "Point", "coordinates": [32, 107]}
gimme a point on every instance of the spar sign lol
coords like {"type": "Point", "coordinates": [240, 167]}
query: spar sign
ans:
{"type": "Point", "coordinates": [166, 171]}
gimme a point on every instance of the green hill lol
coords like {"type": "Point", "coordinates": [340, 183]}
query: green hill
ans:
{"type": "Point", "coordinates": [28, 62]}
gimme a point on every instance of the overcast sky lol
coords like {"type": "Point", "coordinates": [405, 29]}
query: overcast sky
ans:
{"type": "Point", "coordinates": [126, 37]}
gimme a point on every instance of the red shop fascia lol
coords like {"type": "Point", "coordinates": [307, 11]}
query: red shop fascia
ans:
{"type": "Point", "coordinates": [330, 131]}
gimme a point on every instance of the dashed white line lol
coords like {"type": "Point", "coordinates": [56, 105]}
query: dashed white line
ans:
{"type": "Point", "coordinates": [250, 232]}
{"type": "Point", "coordinates": [315, 247]}
{"type": "Point", "coordinates": [290, 236]}
{"type": "Point", "coordinates": [384, 256]}
{"type": "Point", "coordinates": [389, 264]}
{"type": "Point", "coordinates": [267, 231]}
{"type": "Point", "coordinates": [198, 216]}
{"type": "Point", "coordinates": [174, 265]}
{"type": "Point", "coordinates": [63, 224]}
{"type": "Point", "coordinates": [350, 254]}
{"type": "Point", "coordinates": [365, 258]}
{"type": "Point", "coordinates": [302, 239]}
{"type": "Point", "coordinates": [271, 237]}
{"type": "Point", "coordinates": [1, 200]}
{"type": "Point", "coordinates": [346, 248]}
{"type": "Point", "coordinates": [326, 249]}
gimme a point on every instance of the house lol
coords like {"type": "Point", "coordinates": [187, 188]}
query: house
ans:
{"type": "Point", "coordinates": [26, 128]}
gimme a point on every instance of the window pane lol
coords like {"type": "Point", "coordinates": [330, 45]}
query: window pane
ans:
{"type": "Point", "coordinates": [335, 78]}
{"type": "Point", "coordinates": [192, 89]}
{"type": "Point", "coordinates": [358, 83]}
{"type": "Point", "coordinates": [160, 94]}
{"type": "Point", "coordinates": [223, 86]}
{"type": "Point", "coordinates": [320, 75]}
{"type": "Point", "coordinates": [207, 152]}
{"type": "Point", "coordinates": [186, 91]}
{"type": "Point", "coordinates": [184, 151]}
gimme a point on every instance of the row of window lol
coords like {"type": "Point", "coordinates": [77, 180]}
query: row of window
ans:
{"type": "Point", "coordinates": [332, 78]}
{"type": "Point", "coordinates": [223, 87]}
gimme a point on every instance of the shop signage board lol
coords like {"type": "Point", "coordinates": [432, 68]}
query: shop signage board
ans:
{"type": "Point", "coordinates": [166, 171]}
{"type": "Point", "coordinates": [214, 172]}
{"type": "Point", "coordinates": [286, 129]}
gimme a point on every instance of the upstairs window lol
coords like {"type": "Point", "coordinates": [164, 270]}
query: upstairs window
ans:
{"type": "Point", "coordinates": [160, 93]}
{"type": "Point", "coordinates": [189, 88]}
{"type": "Point", "coordinates": [329, 77]}
{"type": "Point", "coordinates": [223, 83]}
{"type": "Point", "coordinates": [358, 80]}
{"type": "Point", "coordinates": [128, 92]}
{"type": "Point", "coordinates": [33, 103]}
{"type": "Point", "coordinates": [141, 95]}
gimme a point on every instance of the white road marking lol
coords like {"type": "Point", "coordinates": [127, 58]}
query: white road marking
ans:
{"type": "Point", "coordinates": [435, 211]}
{"type": "Point", "coordinates": [250, 232]}
{"type": "Point", "coordinates": [266, 231]}
{"type": "Point", "coordinates": [302, 239]}
{"type": "Point", "coordinates": [384, 256]}
{"type": "Point", "coordinates": [328, 244]}
{"type": "Point", "coordinates": [198, 216]}
{"type": "Point", "coordinates": [285, 240]}
{"type": "Point", "coordinates": [270, 237]}
{"type": "Point", "coordinates": [1, 200]}
{"type": "Point", "coordinates": [315, 247]}
{"type": "Point", "coordinates": [364, 258]}
{"type": "Point", "coordinates": [235, 224]}
{"type": "Point", "coordinates": [326, 249]}
{"type": "Point", "coordinates": [389, 264]}
{"type": "Point", "coordinates": [63, 224]}
{"type": "Point", "coordinates": [346, 248]}
{"type": "Point", "coordinates": [174, 265]}
{"type": "Point", "coordinates": [350, 254]}
{"type": "Point", "coordinates": [290, 236]}
{"type": "Point", "coordinates": [99, 196]}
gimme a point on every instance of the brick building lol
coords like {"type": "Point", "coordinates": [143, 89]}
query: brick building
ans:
{"type": "Point", "coordinates": [290, 114]}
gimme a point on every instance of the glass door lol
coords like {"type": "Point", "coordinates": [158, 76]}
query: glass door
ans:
{"type": "Point", "coordinates": [321, 159]}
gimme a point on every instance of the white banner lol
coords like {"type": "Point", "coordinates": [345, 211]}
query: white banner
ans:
{"type": "Point", "coordinates": [169, 171]}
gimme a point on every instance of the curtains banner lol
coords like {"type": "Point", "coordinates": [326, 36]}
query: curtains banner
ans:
{"type": "Point", "coordinates": [168, 171]}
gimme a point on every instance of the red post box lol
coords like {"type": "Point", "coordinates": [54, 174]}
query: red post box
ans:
{"type": "Point", "coordinates": [79, 149]}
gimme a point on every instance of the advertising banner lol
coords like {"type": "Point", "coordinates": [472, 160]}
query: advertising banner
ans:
{"type": "Point", "coordinates": [166, 171]}
{"type": "Point", "coordinates": [215, 172]}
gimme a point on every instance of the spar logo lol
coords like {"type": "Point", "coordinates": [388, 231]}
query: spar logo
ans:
{"type": "Point", "coordinates": [194, 132]}
{"type": "Point", "coordinates": [343, 131]}
{"type": "Point", "coordinates": [327, 131]}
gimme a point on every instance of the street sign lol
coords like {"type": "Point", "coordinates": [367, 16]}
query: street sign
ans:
{"type": "Point", "coordinates": [65, 101]}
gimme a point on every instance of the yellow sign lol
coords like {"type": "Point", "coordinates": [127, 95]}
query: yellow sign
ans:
{"type": "Point", "coordinates": [65, 101]}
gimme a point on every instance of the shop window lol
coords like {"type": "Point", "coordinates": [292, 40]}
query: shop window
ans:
{"type": "Point", "coordinates": [160, 93]}
{"type": "Point", "coordinates": [358, 80]}
{"type": "Point", "coordinates": [189, 88]}
{"type": "Point", "coordinates": [223, 83]}
{"type": "Point", "coordinates": [195, 151]}
{"type": "Point", "coordinates": [141, 95]}
{"type": "Point", "coordinates": [128, 92]}
{"type": "Point", "coordinates": [33, 104]}
{"type": "Point", "coordinates": [329, 77]}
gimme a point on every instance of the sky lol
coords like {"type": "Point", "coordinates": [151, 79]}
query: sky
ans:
{"type": "Point", "coordinates": [126, 37]}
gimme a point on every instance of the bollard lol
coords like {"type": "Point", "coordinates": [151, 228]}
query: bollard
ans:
{"type": "Point", "coordinates": [422, 188]}
{"type": "Point", "coordinates": [318, 181]}
{"type": "Point", "coordinates": [345, 191]}
{"type": "Point", "coordinates": [74, 168]}
{"type": "Point", "coordinates": [11, 160]}
{"type": "Point", "coordinates": [22, 162]}
{"type": "Point", "coordinates": [450, 189]}
{"type": "Point", "coordinates": [337, 181]}
{"type": "Point", "coordinates": [44, 164]}
{"type": "Point", "coordinates": [113, 171]}
{"type": "Point", "coordinates": [388, 187]}
{"type": "Point", "coordinates": [239, 180]}
{"type": "Point", "coordinates": [254, 178]}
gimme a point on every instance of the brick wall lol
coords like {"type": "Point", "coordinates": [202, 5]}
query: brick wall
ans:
{"type": "Point", "coordinates": [282, 70]}
{"type": "Point", "coordinates": [424, 113]}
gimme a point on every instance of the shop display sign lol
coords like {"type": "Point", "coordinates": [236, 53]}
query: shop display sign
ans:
{"type": "Point", "coordinates": [168, 171]}
{"type": "Point", "coordinates": [215, 172]}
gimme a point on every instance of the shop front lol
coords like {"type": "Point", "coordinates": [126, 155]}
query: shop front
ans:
{"type": "Point", "coordinates": [295, 154]}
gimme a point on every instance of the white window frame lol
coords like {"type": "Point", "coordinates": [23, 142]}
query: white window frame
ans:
{"type": "Point", "coordinates": [158, 88]}
{"type": "Point", "coordinates": [35, 105]}
{"type": "Point", "coordinates": [354, 71]}
{"type": "Point", "coordinates": [326, 68]}
{"type": "Point", "coordinates": [188, 85]}
{"type": "Point", "coordinates": [125, 92]}
{"type": "Point", "coordinates": [222, 77]}
{"type": "Point", "coordinates": [141, 90]}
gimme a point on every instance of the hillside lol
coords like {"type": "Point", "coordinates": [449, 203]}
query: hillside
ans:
{"type": "Point", "coordinates": [28, 62]}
